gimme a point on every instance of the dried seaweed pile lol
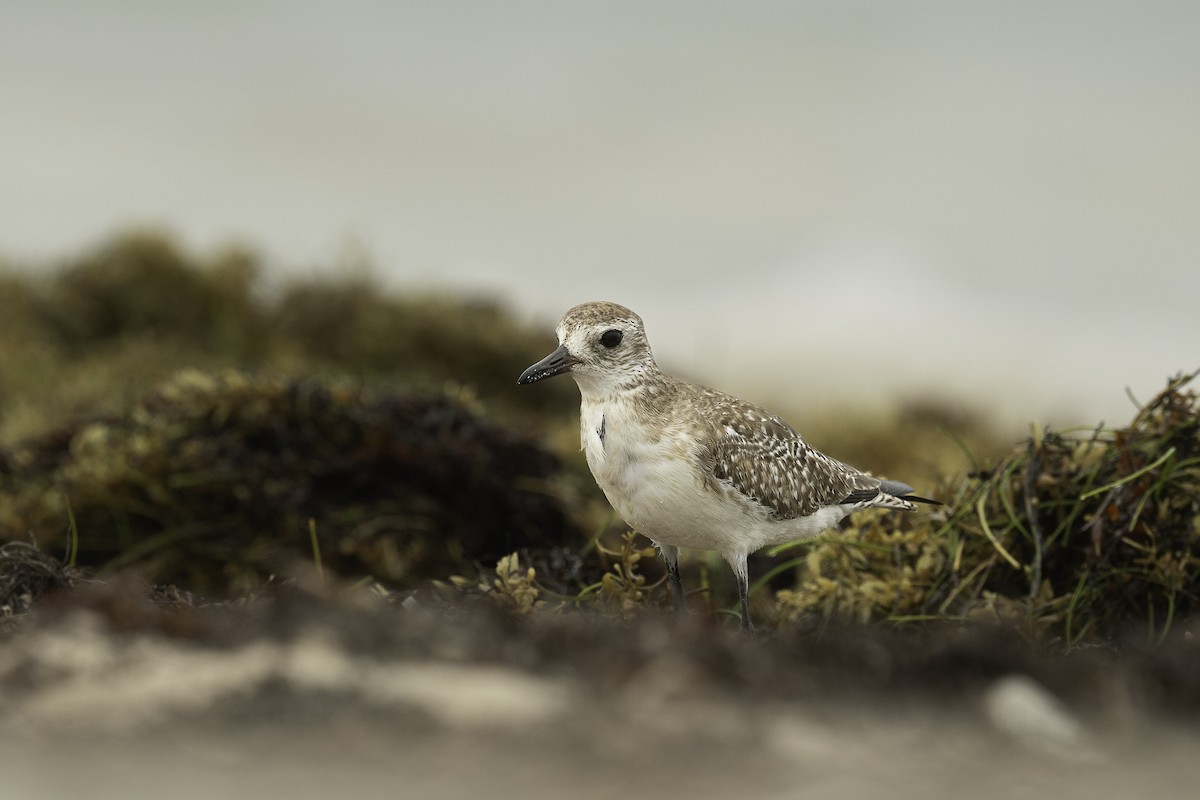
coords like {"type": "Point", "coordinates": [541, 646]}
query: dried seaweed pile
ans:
{"type": "Point", "coordinates": [1071, 537]}
{"type": "Point", "coordinates": [101, 329]}
{"type": "Point", "coordinates": [26, 574]}
{"type": "Point", "coordinates": [216, 481]}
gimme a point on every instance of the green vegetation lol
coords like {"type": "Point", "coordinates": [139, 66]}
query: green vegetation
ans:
{"type": "Point", "coordinates": [178, 417]}
{"type": "Point", "coordinates": [1071, 537]}
{"type": "Point", "coordinates": [216, 481]}
{"type": "Point", "coordinates": [93, 335]}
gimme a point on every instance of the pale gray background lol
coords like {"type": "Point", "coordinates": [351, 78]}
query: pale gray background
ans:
{"type": "Point", "coordinates": [809, 202]}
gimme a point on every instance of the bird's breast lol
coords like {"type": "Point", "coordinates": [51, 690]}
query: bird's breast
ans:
{"type": "Point", "coordinates": [610, 439]}
{"type": "Point", "coordinates": [649, 472]}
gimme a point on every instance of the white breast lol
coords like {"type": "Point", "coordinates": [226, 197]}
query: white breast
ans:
{"type": "Point", "coordinates": [653, 478]}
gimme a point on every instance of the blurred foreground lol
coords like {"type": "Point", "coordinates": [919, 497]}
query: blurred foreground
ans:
{"type": "Point", "coordinates": [315, 692]}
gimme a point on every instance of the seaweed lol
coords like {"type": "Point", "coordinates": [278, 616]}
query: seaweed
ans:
{"type": "Point", "coordinates": [26, 575]}
{"type": "Point", "coordinates": [186, 418]}
{"type": "Point", "coordinates": [92, 334]}
{"type": "Point", "coordinates": [1073, 537]}
{"type": "Point", "coordinates": [213, 481]}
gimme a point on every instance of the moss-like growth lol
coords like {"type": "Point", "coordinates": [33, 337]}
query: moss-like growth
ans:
{"type": "Point", "coordinates": [214, 478]}
{"type": "Point", "coordinates": [1071, 537]}
{"type": "Point", "coordinates": [141, 285]}
{"type": "Point", "coordinates": [623, 586]}
{"type": "Point", "coordinates": [352, 323]}
{"type": "Point", "coordinates": [211, 481]}
{"type": "Point", "coordinates": [879, 571]}
{"type": "Point", "coordinates": [26, 574]}
{"type": "Point", "coordinates": [101, 329]}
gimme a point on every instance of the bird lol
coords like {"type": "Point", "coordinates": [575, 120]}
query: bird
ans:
{"type": "Point", "coordinates": [691, 467]}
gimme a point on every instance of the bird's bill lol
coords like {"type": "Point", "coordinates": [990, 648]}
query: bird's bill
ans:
{"type": "Point", "coordinates": [556, 363]}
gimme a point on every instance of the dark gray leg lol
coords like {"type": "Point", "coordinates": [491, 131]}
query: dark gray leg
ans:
{"type": "Point", "coordinates": [744, 591]}
{"type": "Point", "coordinates": [738, 562]}
{"type": "Point", "coordinates": [670, 555]}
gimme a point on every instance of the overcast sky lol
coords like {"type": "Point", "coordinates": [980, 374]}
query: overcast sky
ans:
{"type": "Point", "coordinates": [808, 202]}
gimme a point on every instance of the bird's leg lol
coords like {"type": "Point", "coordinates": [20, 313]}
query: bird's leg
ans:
{"type": "Point", "coordinates": [744, 591]}
{"type": "Point", "coordinates": [670, 554]}
{"type": "Point", "coordinates": [741, 570]}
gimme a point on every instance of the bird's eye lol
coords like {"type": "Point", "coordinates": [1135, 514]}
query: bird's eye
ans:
{"type": "Point", "coordinates": [611, 338]}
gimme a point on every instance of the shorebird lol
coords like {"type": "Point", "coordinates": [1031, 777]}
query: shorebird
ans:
{"type": "Point", "coordinates": [691, 467]}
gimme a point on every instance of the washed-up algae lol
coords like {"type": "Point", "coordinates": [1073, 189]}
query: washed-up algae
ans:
{"type": "Point", "coordinates": [425, 465]}
{"type": "Point", "coordinates": [215, 482]}
{"type": "Point", "coordinates": [1072, 537]}
{"type": "Point", "coordinates": [93, 333]}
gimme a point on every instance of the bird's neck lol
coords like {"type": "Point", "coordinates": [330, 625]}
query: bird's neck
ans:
{"type": "Point", "coordinates": [616, 387]}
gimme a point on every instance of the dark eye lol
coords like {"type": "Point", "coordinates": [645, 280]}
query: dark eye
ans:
{"type": "Point", "coordinates": [611, 338]}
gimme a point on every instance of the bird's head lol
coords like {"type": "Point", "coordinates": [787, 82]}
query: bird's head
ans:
{"type": "Point", "coordinates": [603, 346]}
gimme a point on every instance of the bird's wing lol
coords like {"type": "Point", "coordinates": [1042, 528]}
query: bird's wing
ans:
{"type": "Point", "coordinates": [765, 459]}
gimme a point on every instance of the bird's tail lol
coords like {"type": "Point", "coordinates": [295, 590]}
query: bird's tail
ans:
{"type": "Point", "coordinates": [904, 492]}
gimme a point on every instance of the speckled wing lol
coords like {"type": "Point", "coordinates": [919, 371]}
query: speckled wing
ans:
{"type": "Point", "coordinates": [765, 459]}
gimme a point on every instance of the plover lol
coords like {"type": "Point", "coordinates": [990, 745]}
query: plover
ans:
{"type": "Point", "coordinates": [691, 467]}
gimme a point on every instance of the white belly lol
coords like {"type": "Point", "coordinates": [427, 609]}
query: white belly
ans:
{"type": "Point", "coordinates": [654, 483]}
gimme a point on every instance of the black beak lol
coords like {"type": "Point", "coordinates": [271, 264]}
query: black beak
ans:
{"type": "Point", "coordinates": [554, 364]}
